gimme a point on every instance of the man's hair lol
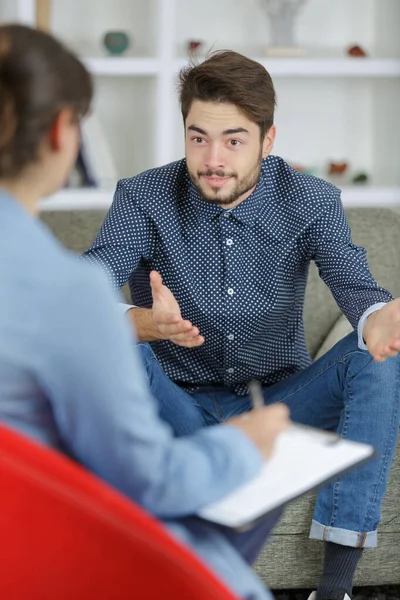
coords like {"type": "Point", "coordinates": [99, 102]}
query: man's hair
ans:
{"type": "Point", "coordinates": [226, 76]}
{"type": "Point", "coordinates": [38, 78]}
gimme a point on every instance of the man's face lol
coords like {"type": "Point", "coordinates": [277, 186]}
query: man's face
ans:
{"type": "Point", "coordinates": [224, 152]}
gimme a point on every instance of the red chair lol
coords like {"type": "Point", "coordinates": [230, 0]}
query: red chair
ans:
{"type": "Point", "coordinates": [66, 535]}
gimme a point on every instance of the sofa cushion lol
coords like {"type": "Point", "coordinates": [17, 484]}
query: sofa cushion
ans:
{"type": "Point", "coordinates": [340, 329]}
{"type": "Point", "coordinates": [377, 229]}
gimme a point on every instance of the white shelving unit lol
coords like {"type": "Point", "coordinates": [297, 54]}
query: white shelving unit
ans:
{"type": "Point", "coordinates": [119, 66]}
{"type": "Point", "coordinates": [330, 106]}
{"type": "Point", "coordinates": [78, 199]}
{"type": "Point", "coordinates": [325, 67]}
{"type": "Point", "coordinates": [352, 196]}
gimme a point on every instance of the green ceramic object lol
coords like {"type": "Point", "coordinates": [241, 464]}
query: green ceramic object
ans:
{"type": "Point", "coordinates": [360, 178]}
{"type": "Point", "coordinates": [116, 42]}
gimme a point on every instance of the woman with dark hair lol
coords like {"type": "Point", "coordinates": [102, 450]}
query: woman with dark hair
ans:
{"type": "Point", "coordinates": [70, 376]}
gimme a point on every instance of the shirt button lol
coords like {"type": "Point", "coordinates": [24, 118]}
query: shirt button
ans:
{"type": "Point", "coordinates": [231, 337]}
{"type": "Point", "coordinates": [230, 370]}
{"type": "Point", "coordinates": [229, 242]}
{"type": "Point", "coordinates": [230, 291]}
{"type": "Point", "coordinates": [227, 214]}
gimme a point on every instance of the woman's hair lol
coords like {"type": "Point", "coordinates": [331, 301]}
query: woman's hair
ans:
{"type": "Point", "coordinates": [38, 78]}
{"type": "Point", "coordinates": [227, 76]}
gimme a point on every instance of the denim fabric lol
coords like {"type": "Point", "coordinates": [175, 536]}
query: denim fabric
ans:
{"type": "Point", "coordinates": [344, 391]}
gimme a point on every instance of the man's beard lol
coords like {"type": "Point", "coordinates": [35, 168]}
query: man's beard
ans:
{"type": "Point", "coordinates": [242, 186]}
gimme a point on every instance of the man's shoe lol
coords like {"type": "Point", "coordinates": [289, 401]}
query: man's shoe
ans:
{"type": "Point", "coordinates": [335, 596]}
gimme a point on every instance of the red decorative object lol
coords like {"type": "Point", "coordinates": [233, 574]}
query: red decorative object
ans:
{"type": "Point", "coordinates": [193, 46]}
{"type": "Point", "coordinates": [337, 168]}
{"type": "Point", "coordinates": [356, 51]}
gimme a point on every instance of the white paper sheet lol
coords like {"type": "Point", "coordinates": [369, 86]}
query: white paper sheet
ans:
{"type": "Point", "coordinates": [303, 459]}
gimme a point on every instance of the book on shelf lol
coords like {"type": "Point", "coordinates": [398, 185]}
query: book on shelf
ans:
{"type": "Point", "coordinates": [94, 165]}
{"type": "Point", "coordinates": [81, 176]}
{"type": "Point", "coordinates": [87, 179]}
{"type": "Point", "coordinates": [96, 153]}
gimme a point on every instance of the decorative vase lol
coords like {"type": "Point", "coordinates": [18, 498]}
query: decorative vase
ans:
{"type": "Point", "coordinates": [282, 16]}
{"type": "Point", "coordinates": [116, 42]}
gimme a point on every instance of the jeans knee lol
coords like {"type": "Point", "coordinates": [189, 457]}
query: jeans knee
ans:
{"type": "Point", "coordinates": [146, 352]}
{"type": "Point", "coordinates": [388, 370]}
{"type": "Point", "coordinates": [381, 377]}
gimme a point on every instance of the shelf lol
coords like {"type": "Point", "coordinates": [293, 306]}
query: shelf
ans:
{"type": "Point", "coordinates": [78, 199]}
{"type": "Point", "coordinates": [122, 66]}
{"type": "Point", "coordinates": [374, 196]}
{"type": "Point", "coordinates": [325, 67]}
{"type": "Point", "coordinates": [278, 67]}
{"type": "Point", "coordinates": [87, 199]}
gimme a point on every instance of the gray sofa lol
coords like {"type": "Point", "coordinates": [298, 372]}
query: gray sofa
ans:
{"type": "Point", "coordinates": [290, 559]}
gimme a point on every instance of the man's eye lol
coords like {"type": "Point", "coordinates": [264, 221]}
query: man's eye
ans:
{"type": "Point", "coordinates": [198, 140]}
{"type": "Point", "coordinates": [235, 142]}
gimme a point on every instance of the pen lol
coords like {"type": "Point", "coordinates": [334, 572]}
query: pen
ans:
{"type": "Point", "coordinates": [255, 389]}
{"type": "Point", "coordinates": [257, 401]}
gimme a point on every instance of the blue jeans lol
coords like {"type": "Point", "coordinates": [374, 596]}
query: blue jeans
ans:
{"type": "Point", "coordinates": [344, 391]}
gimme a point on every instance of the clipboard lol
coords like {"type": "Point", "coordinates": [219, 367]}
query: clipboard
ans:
{"type": "Point", "coordinates": [304, 459]}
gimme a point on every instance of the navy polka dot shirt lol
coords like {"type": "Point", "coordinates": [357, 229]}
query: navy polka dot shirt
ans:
{"type": "Point", "coordinates": [239, 275]}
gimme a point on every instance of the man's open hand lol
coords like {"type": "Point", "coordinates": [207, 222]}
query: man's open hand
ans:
{"type": "Point", "coordinates": [382, 331]}
{"type": "Point", "coordinates": [167, 316]}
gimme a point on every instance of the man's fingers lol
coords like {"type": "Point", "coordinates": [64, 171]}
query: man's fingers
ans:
{"type": "Point", "coordinates": [183, 334]}
{"type": "Point", "coordinates": [388, 352]}
{"type": "Point", "coordinates": [378, 353]}
{"type": "Point", "coordinates": [379, 358]}
{"type": "Point", "coordinates": [175, 326]}
{"type": "Point", "coordinates": [171, 325]}
{"type": "Point", "coordinates": [381, 353]}
{"type": "Point", "coordinates": [186, 335]}
{"type": "Point", "coordinates": [395, 345]}
{"type": "Point", "coordinates": [155, 282]}
{"type": "Point", "coordinates": [191, 343]}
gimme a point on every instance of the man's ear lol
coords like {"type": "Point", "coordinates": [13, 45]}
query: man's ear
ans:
{"type": "Point", "coordinates": [59, 126]}
{"type": "Point", "coordinates": [268, 142]}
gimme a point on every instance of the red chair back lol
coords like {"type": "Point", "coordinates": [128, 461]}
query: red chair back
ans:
{"type": "Point", "coordinates": [66, 535]}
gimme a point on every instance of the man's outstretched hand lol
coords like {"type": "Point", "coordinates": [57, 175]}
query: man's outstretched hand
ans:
{"type": "Point", "coordinates": [382, 331]}
{"type": "Point", "coordinates": [167, 316]}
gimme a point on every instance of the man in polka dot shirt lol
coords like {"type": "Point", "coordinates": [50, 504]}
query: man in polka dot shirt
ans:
{"type": "Point", "coordinates": [216, 250]}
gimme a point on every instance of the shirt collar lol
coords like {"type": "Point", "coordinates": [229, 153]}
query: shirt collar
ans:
{"type": "Point", "coordinates": [205, 211]}
{"type": "Point", "coordinates": [246, 212]}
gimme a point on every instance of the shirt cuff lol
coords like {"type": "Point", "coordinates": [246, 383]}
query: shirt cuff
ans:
{"type": "Point", "coordinates": [361, 323]}
{"type": "Point", "coordinates": [125, 307]}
